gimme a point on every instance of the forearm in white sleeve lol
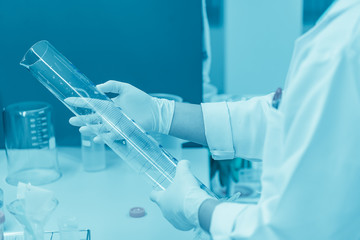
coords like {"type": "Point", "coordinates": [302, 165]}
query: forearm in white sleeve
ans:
{"type": "Point", "coordinates": [236, 129]}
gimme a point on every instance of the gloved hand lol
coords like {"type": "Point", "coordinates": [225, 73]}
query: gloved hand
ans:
{"type": "Point", "coordinates": [151, 113]}
{"type": "Point", "coordinates": [101, 118]}
{"type": "Point", "coordinates": [181, 201]}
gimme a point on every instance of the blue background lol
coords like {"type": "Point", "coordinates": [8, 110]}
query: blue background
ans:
{"type": "Point", "coordinates": [154, 45]}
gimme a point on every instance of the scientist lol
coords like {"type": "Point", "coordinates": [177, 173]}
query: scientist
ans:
{"type": "Point", "coordinates": [309, 145]}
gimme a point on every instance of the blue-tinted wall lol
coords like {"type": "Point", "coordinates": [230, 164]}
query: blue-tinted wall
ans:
{"type": "Point", "coordinates": [155, 45]}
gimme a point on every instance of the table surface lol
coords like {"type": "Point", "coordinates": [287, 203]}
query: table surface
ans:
{"type": "Point", "coordinates": [101, 200]}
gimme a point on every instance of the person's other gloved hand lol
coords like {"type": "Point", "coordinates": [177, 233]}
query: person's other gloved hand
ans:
{"type": "Point", "coordinates": [181, 201]}
{"type": "Point", "coordinates": [151, 113]}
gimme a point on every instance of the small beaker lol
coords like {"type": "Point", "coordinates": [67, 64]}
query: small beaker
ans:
{"type": "Point", "coordinates": [93, 154]}
{"type": "Point", "coordinates": [172, 144]}
{"type": "Point", "coordinates": [30, 144]}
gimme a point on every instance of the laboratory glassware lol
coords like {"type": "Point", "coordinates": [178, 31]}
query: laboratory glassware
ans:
{"type": "Point", "coordinates": [48, 235]}
{"type": "Point", "coordinates": [172, 144]}
{"type": "Point", "coordinates": [68, 228]}
{"type": "Point", "coordinates": [33, 222]}
{"type": "Point", "coordinates": [92, 153]}
{"type": "Point", "coordinates": [249, 183]}
{"type": "Point", "coordinates": [120, 133]}
{"type": "Point", "coordinates": [30, 143]}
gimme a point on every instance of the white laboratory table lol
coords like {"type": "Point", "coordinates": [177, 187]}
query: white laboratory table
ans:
{"type": "Point", "coordinates": [101, 200]}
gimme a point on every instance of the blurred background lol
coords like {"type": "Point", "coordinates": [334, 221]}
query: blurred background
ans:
{"type": "Point", "coordinates": [155, 45]}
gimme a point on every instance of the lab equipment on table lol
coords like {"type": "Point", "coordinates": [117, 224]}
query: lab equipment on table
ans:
{"type": "Point", "coordinates": [92, 154]}
{"type": "Point", "coordinates": [2, 220]}
{"type": "Point", "coordinates": [32, 208]}
{"type": "Point", "coordinates": [53, 235]}
{"type": "Point", "coordinates": [137, 212]}
{"type": "Point", "coordinates": [172, 144]}
{"type": "Point", "coordinates": [30, 143]}
{"type": "Point", "coordinates": [68, 228]}
{"type": "Point", "coordinates": [222, 173]}
{"type": "Point", "coordinates": [119, 132]}
{"type": "Point", "coordinates": [248, 183]}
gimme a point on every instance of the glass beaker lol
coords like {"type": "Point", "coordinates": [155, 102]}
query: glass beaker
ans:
{"type": "Point", "coordinates": [93, 154]}
{"type": "Point", "coordinates": [30, 144]}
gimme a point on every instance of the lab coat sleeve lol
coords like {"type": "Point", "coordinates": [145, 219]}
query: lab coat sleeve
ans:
{"type": "Point", "coordinates": [224, 218]}
{"type": "Point", "coordinates": [236, 129]}
{"type": "Point", "coordinates": [228, 218]}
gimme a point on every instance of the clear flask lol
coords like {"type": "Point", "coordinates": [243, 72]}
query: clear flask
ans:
{"type": "Point", "coordinates": [129, 141]}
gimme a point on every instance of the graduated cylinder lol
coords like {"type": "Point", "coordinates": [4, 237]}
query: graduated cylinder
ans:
{"type": "Point", "coordinates": [119, 132]}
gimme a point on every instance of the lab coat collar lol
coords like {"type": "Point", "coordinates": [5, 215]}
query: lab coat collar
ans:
{"type": "Point", "coordinates": [337, 8]}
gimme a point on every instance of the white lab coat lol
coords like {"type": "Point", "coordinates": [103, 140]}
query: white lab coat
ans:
{"type": "Point", "coordinates": [310, 146]}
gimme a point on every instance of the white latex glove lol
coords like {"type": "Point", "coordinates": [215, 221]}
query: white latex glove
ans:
{"type": "Point", "coordinates": [181, 201]}
{"type": "Point", "coordinates": [151, 113]}
{"type": "Point", "coordinates": [102, 119]}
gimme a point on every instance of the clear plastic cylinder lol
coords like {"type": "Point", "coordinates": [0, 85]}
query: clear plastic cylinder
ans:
{"type": "Point", "coordinates": [132, 144]}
